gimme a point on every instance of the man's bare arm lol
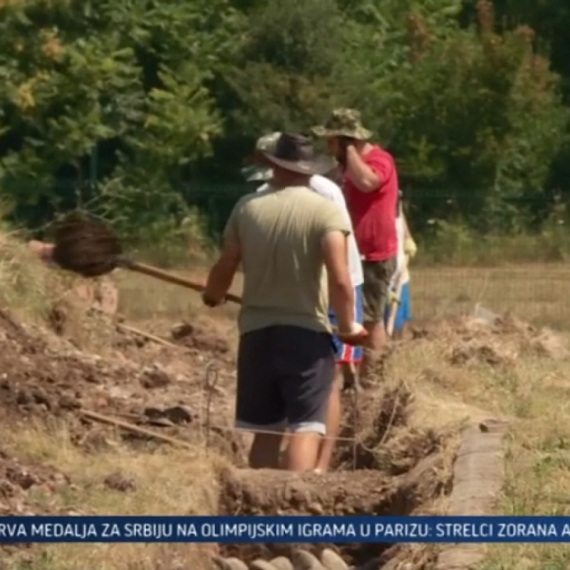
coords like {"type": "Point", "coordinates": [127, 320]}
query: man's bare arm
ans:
{"type": "Point", "coordinates": [341, 292]}
{"type": "Point", "coordinates": [365, 179]}
{"type": "Point", "coordinates": [222, 274]}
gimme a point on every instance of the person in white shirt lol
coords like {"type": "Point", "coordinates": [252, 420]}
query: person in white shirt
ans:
{"type": "Point", "coordinates": [401, 279]}
{"type": "Point", "coordinates": [347, 357]}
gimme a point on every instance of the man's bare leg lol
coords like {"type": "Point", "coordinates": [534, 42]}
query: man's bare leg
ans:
{"type": "Point", "coordinates": [302, 452]}
{"type": "Point", "coordinates": [376, 341]}
{"type": "Point", "coordinates": [333, 422]}
{"type": "Point", "coordinates": [264, 452]}
{"type": "Point", "coordinates": [350, 371]}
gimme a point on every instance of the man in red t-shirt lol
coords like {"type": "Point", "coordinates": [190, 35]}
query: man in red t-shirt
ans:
{"type": "Point", "coordinates": [371, 190]}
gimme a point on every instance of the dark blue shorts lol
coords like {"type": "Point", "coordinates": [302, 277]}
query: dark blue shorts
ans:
{"type": "Point", "coordinates": [284, 379]}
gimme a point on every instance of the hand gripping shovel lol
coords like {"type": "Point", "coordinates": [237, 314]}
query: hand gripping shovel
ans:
{"type": "Point", "coordinates": [90, 248]}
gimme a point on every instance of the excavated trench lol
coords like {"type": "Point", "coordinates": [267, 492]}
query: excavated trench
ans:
{"type": "Point", "coordinates": [392, 466]}
{"type": "Point", "coordinates": [390, 469]}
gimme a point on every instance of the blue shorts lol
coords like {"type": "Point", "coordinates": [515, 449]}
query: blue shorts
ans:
{"type": "Point", "coordinates": [404, 312]}
{"type": "Point", "coordinates": [345, 353]}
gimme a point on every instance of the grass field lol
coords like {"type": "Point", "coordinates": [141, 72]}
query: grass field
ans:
{"type": "Point", "coordinates": [169, 482]}
{"type": "Point", "coordinates": [532, 392]}
{"type": "Point", "coordinates": [537, 293]}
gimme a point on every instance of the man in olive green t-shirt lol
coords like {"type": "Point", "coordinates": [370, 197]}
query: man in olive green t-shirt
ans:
{"type": "Point", "coordinates": [292, 245]}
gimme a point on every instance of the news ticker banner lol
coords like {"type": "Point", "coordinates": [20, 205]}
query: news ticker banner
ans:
{"type": "Point", "coordinates": [36, 529]}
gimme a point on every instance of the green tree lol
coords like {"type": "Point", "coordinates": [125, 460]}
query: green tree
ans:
{"type": "Point", "coordinates": [283, 78]}
{"type": "Point", "coordinates": [474, 119]}
{"type": "Point", "coordinates": [122, 81]}
{"type": "Point", "coordinates": [551, 21]}
{"type": "Point", "coordinates": [133, 106]}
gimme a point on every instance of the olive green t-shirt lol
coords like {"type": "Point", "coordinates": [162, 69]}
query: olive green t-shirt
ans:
{"type": "Point", "coordinates": [280, 234]}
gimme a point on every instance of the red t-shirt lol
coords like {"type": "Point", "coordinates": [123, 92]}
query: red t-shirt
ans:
{"type": "Point", "coordinates": [374, 213]}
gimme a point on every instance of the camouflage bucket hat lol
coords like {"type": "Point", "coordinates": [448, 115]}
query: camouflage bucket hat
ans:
{"type": "Point", "coordinates": [343, 123]}
{"type": "Point", "coordinates": [261, 172]}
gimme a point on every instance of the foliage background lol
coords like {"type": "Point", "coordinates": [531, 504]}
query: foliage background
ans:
{"type": "Point", "coordinates": [144, 112]}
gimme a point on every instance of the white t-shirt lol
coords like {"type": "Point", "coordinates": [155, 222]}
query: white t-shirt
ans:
{"type": "Point", "coordinates": [328, 189]}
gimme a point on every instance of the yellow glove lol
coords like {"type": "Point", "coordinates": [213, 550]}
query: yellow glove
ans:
{"type": "Point", "coordinates": [410, 247]}
{"type": "Point", "coordinates": [392, 298]}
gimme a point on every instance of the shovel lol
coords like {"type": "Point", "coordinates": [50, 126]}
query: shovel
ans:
{"type": "Point", "coordinates": [90, 248]}
{"type": "Point", "coordinates": [396, 301]}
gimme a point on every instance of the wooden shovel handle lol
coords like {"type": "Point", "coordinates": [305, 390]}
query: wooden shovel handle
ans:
{"type": "Point", "coordinates": [171, 278]}
{"type": "Point", "coordinates": [395, 304]}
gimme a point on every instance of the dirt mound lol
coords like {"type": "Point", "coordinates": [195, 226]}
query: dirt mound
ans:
{"type": "Point", "coordinates": [31, 377]}
{"type": "Point", "coordinates": [547, 344]}
{"type": "Point", "coordinates": [498, 343]}
{"type": "Point", "coordinates": [201, 334]}
{"type": "Point", "coordinates": [268, 492]}
{"type": "Point", "coordinates": [56, 378]}
{"type": "Point", "coordinates": [476, 350]}
{"type": "Point", "coordinates": [25, 489]}
{"type": "Point", "coordinates": [371, 493]}
{"type": "Point", "coordinates": [45, 375]}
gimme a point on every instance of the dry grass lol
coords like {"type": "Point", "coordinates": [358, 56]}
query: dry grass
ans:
{"type": "Point", "coordinates": [168, 482]}
{"type": "Point", "coordinates": [143, 298]}
{"type": "Point", "coordinates": [537, 293]}
{"type": "Point", "coordinates": [533, 391]}
{"type": "Point", "coordinates": [24, 281]}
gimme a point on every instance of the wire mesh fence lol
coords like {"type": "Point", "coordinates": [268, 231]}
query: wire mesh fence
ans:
{"type": "Point", "coordinates": [534, 292]}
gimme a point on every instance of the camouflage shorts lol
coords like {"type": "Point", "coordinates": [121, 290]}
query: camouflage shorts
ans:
{"type": "Point", "coordinates": [377, 276]}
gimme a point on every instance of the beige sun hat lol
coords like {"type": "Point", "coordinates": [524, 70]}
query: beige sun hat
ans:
{"type": "Point", "coordinates": [258, 172]}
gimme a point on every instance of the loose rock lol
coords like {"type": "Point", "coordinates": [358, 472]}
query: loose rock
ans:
{"type": "Point", "coordinates": [303, 560]}
{"type": "Point", "coordinates": [118, 482]}
{"type": "Point", "coordinates": [332, 561]}
{"type": "Point", "coordinates": [282, 563]}
{"type": "Point", "coordinates": [154, 377]}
